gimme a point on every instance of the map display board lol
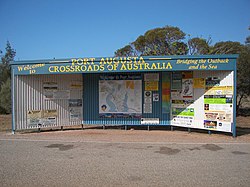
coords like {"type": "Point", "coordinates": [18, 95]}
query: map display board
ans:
{"type": "Point", "coordinates": [120, 96]}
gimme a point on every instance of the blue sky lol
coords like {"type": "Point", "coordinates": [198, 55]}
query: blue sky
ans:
{"type": "Point", "coordinates": [45, 29]}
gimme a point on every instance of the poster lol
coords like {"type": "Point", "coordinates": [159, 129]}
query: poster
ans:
{"type": "Point", "coordinates": [215, 99]}
{"type": "Point", "coordinates": [147, 96]}
{"type": "Point", "coordinates": [219, 90]}
{"type": "Point", "coordinates": [49, 113]}
{"type": "Point", "coordinates": [182, 117]}
{"type": "Point", "coordinates": [182, 121]}
{"type": "Point", "coordinates": [199, 82]}
{"type": "Point", "coordinates": [176, 81]}
{"type": "Point", "coordinates": [166, 92]}
{"type": "Point", "coordinates": [75, 109]}
{"type": "Point", "coordinates": [76, 85]}
{"type": "Point", "coordinates": [121, 97]}
{"type": "Point", "coordinates": [218, 106]}
{"type": "Point", "coordinates": [212, 81]}
{"type": "Point", "coordinates": [187, 88]}
{"type": "Point", "coordinates": [183, 111]}
{"type": "Point", "coordinates": [155, 97]}
{"type": "Point", "coordinates": [150, 121]}
{"type": "Point", "coordinates": [75, 102]}
{"type": "Point", "coordinates": [61, 94]}
{"type": "Point", "coordinates": [34, 117]}
{"type": "Point", "coordinates": [176, 95]}
{"type": "Point", "coordinates": [212, 125]}
{"type": "Point", "coordinates": [56, 94]}
{"type": "Point", "coordinates": [75, 113]}
{"type": "Point", "coordinates": [151, 86]}
{"type": "Point", "coordinates": [151, 77]}
{"type": "Point", "coordinates": [48, 89]}
{"type": "Point", "coordinates": [48, 94]}
{"type": "Point", "coordinates": [41, 117]}
{"type": "Point", "coordinates": [49, 117]}
{"type": "Point", "coordinates": [50, 86]}
{"type": "Point", "coordinates": [220, 116]}
{"type": "Point", "coordinates": [147, 108]}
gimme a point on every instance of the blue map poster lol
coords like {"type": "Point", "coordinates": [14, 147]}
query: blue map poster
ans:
{"type": "Point", "coordinates": [120, 97]}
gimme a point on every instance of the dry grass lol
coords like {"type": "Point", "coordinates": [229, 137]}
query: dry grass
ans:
{"type": "Point", "coordinates": [5, 122]}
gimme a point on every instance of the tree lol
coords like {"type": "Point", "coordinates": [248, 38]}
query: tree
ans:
{"type": "Point", "coordinates": [243, 78]}
{"type": "Point", "coordinates": [125, 51]}
{"type": "Point", "coordinates": [228, 47]}
{"type": "Point", "coordinates": [167, 40]}
{"type": "Point", "coordinates": [5, 75]}
{"type": "Point", "coordinates": [5, 66]}
{"type": "Point", "coordinates": [198, 46]}
{"type": "Point", "coordinates": [247, 42]}
{"type": "Point", "coordinates": [5, 96]}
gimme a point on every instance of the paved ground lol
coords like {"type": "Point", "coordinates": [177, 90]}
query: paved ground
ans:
{"type": "Point", "coordinates": [123, 158]}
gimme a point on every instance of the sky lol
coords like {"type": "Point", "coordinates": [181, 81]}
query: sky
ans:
{"type": "Point", "coordinates": [46, 29]}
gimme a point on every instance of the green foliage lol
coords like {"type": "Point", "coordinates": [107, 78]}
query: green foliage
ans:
{"type": "Point", "coordinates": [125, 51]}
{"type": "Point", "coordinates": [159, 41]}
{"type": "Point", "coordinates": [198, 46]}
{"type": "Point", "coordinates": [5, 96]}
{"type": "Point", "coordinates": [243, 76]}
{"type": "Point", "coordinates": [9, 54]}
{"type": "Point", "coordinates": [228, 47]}
{"type": "Point", "coordinates": [5, 75]}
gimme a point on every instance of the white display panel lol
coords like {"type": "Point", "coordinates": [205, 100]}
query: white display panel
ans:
{"type": "Point", "coordinates": [212, 101]}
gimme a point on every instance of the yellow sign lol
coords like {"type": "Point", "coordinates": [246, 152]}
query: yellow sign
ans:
{"type": "Point", "coordinates": [199, 82]}
{"type": "Point", "coordinates": [220, 90]}
{"type": "Point", "coordinates": [151, 86]}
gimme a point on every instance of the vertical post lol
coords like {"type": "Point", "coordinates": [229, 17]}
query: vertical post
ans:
{"type": "Point", "coordinates": [209, 132]}
{"type": "Point", "coordinates": [61, 128]}
{"type": "Point", "coordinates": [234, 100]}
{"type": "Point", "coordinates": [148, 128]}
{"type": "Point", "coordinates": [126, 127]}
{"type": "Point", "coordinates": [172, 128]}
{"type": "Point", "coordinates": [189, 130]}
{"type": "Point", "coordinates": [13, 100]}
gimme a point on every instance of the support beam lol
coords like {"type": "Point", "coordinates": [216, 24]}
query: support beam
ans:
{"type": "Point", "coordinates": [13, 108]}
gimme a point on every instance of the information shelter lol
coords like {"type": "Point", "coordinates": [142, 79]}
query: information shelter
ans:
{"type": "Point", "coordinates": [186, 91]}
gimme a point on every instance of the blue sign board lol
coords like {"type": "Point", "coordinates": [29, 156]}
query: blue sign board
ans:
{"type": "Point", "coordinates": [126, 64]}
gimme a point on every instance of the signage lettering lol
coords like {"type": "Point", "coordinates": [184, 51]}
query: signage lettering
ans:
{"type": "Point", "coordinates": [118, 64]}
